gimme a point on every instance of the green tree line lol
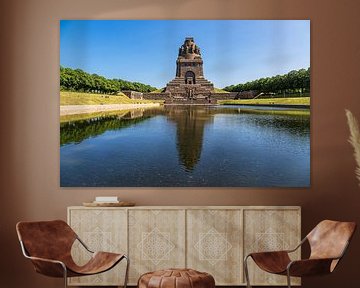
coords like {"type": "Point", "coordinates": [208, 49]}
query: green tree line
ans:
{"type": "Point", "coordinates": [79, 80]}
{"type": "Point", "coordinates": [296, 81]}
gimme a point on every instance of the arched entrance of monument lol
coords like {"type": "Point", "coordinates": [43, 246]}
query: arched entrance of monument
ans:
{"type": "Point", "coordinates": [189, 77]}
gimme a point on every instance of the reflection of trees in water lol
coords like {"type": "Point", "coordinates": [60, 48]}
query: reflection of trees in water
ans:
{"type": "Point", "coordinates": [190, 122]}
{"type": "Point", "coordinates": [293, 123]}
{"type": "Point", "coordinates": [76, 132]}
{"type": "Point", "coordinates": [79, 130]}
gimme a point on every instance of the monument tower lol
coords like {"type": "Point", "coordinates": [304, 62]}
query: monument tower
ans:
{"type": "Point", "coordinates": [189, 82]}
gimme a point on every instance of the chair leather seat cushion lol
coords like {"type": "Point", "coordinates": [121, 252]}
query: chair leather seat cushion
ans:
{"type": "Point", "coordinates": [99, 262]}
{"type": "Point", "coordinates": [176, 278]}
{"type": "Point", "coordinates": [272, 262]}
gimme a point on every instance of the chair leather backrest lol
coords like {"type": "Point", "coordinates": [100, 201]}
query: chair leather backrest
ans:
{"type": "Point", "coordinates": [46, 239]}
{"type": "Point", "coordinates": [329, 239]}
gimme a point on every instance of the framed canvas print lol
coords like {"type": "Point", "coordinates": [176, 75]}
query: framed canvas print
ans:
{"type": "Point", "coordinates": [184, 103]}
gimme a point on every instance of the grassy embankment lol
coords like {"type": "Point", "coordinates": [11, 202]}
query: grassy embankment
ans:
{"type": "Point", "coordinates": [218, 90]}
{"type": "Point", "coordinates": [85, 116]}
{"type": "Point", "coordinates": [279, 112]}
{"type": "Point", "coordinates": [160, 90]}
{"type": "Point", "coordinates": [80, 98]}
{"type": "Point", "coordinates": [298, 101]}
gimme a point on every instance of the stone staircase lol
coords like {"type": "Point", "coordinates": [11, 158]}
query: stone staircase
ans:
{"type": "Point", "coordinates": [184, 101]}
{"type": "Point", "coordinates": [177, 86]}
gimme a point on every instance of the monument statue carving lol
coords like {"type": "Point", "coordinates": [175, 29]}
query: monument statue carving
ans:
{"type": "Point", "coordinates": [189, 50]}
{"type": "Point", "coordinates": [189, 74]}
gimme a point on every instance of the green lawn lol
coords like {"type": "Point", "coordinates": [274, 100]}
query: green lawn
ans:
{"type": "Point", "coordinates": [80, 98]}
{"type": "Point", "coordinates": [160, 90]}
{"type": "Point", "coordinates": [218, 90]}
{"type": "Point", "coordinates": [304, 101]}
{"type": "Point", "coordinates": [286, 112]}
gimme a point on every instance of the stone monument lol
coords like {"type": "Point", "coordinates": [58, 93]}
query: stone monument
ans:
{"type": "Point", "coordinates": [189, 82]}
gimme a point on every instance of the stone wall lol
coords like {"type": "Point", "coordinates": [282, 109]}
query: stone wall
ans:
{"type": "Point", "coordinates": [156, 96]}
{"type": "Point", "coordinates": [167, 96]}
{"type": "Point", "coordinates": [215, 96]}
{"type": "Point", "coordinates": [133, 94]}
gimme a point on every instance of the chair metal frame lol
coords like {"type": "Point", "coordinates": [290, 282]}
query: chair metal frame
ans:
{"type": "Point", "coordinates": [288, 276]}
{"type": "Point", "coordinates": [26, 255]}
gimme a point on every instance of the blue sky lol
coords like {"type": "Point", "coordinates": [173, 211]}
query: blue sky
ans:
{"type": "Point", "coordinates": [233, 51]}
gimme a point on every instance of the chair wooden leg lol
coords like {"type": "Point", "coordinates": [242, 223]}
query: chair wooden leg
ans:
{"type": "Point", "coordinates": [246, 271]}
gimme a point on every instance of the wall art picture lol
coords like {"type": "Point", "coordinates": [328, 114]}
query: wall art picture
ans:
{"type": "Point", "coordinates": [184, 103]}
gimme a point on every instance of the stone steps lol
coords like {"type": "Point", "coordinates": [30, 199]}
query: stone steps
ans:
{"type": "Point", "coordinates": [178, 88]}
{"type": "Point", "coordinates": [182, 82]}
{"type": "Point", "coordinates": [188, 101]}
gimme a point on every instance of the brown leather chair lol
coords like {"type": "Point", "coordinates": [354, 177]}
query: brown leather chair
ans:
{"type": "Point", "coordinates": [328, 242]}
{"type": "Point", "coordinates": [48, 245]}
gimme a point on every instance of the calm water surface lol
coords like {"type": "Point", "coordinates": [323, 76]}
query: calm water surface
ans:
{"type": "Point", "coordinates": [188, 146]}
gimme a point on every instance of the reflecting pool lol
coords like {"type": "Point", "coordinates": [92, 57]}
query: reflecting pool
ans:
{"type": "Point", "coordinates": [187, 146]}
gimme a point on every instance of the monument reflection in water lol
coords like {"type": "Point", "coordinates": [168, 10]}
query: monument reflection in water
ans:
{"type": "Point", "coordinates": [188, 146]}
{"type": "Point", "coordinates": [190, 124]}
